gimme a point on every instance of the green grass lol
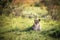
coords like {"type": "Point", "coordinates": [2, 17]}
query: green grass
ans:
{"type": "Point", "coordinates": [17, 28]}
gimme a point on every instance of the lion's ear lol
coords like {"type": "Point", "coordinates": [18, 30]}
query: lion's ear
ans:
{"type": "Point", "coordinates": [39, 19]}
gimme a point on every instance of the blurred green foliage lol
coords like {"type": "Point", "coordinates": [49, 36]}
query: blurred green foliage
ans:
{"type": "Point", "coordinates": [16, 20]}
{"type": "Point", "coordinates": [16, 28]}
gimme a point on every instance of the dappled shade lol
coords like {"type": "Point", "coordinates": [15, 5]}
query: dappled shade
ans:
{"type": "Point", "coordinates": [29, 19]}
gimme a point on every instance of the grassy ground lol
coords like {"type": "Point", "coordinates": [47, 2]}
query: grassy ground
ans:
{"type": "Point", "coordinates": [18, 28]}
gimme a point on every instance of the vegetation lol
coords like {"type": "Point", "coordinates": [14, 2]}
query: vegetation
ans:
{"type": "Point", "coordinates": [17, 18]}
